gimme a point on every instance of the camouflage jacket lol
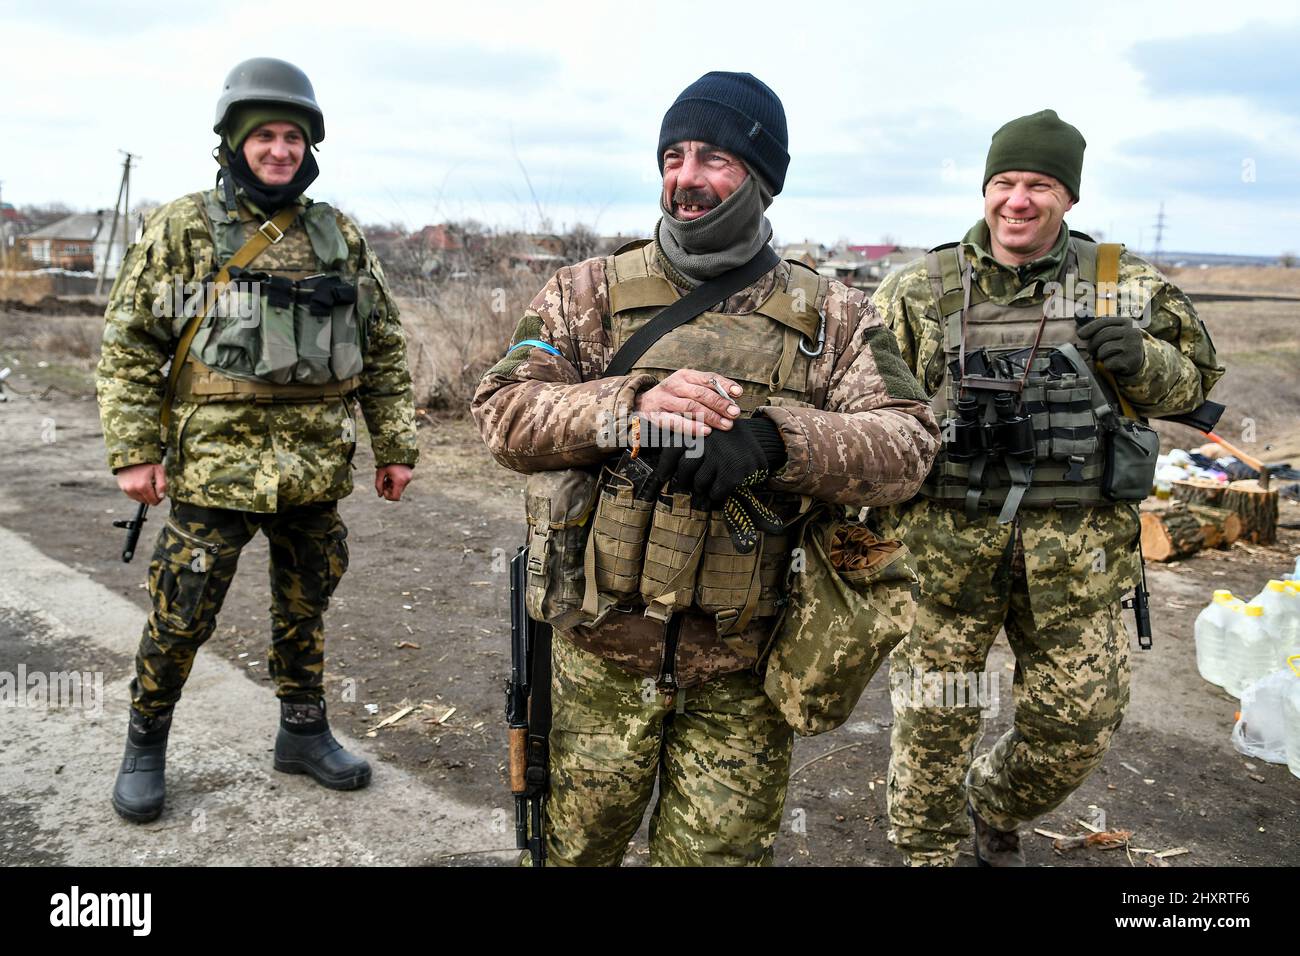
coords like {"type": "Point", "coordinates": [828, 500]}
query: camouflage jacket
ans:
{"type": "Point", "coordinates": [241, 455]}
{"type": "Point", "coordinates": [870, 441]}
{"type": "Point", "coordinates": [1089, 549]}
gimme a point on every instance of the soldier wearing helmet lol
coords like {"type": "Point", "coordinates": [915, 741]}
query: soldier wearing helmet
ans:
{"type": "Point", "coordinates": [252, 426]}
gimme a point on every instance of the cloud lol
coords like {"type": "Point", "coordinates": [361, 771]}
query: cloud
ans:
{"type": "Point", "coordinates": [1255, 63]}
{"type": "Point", "coordinates": [1208, 162]}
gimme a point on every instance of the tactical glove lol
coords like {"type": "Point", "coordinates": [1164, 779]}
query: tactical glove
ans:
{"type": "Point", "coordinates": [1116, 343]}
{"type": "Point", "coordinates": [743, 456]}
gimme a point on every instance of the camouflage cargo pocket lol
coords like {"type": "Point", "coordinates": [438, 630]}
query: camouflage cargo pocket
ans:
{"type": "Point", "coordinates": [852, 599]}
{"type": "Point", "coordinates": [672, 555]}
{"type": "Point", "coordinates": [618, 535]}
{"type": "Point", "coordinates": [559, 506]}
{"type": "Point", "coordinates": [336, 557]}
{"type": "Point", "coordinates": [179, 573]}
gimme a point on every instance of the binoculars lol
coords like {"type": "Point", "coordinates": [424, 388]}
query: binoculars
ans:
{"type": "Point", "coordinates": [1009, 435]}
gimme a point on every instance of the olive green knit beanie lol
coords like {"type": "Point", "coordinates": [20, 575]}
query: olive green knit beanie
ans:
{"type": "Point", "coordinates": [245, 118]}
{"type": "Point", "coordinates": [1038, 143]}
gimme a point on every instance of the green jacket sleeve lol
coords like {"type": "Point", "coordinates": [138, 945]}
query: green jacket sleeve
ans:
{"type": "Point", "coordinates": [386, 396]}
{"type": "Point", "coordinates": [138, 340]}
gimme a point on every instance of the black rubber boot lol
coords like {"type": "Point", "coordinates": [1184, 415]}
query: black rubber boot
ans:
{"type": "Point", "coordinates": [994, 847]}
{"type": "Point", "coordinates": [139, 790]}
{"type": "Point", "coordinates": [305, 745]}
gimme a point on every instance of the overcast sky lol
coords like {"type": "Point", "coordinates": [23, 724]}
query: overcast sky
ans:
{"type": "Point", "coordinates": [436, 111]}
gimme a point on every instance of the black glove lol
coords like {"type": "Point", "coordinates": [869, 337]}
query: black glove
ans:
{"type": "Point", "coordinates": [746, 454]}
{"type": "Point", "coordinates": [1116, 343]}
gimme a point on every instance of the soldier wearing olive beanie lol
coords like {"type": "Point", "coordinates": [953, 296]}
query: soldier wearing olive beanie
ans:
{"type": "Point", "coordinates": [1041, 547]}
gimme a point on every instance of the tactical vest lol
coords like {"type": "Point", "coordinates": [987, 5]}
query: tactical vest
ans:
{"type": "Point", "coordinates": [677, 558]}
{"type": "Point", "coordinates": [294, 332]}
{"type": "Point", "coordinates": [991, 458]}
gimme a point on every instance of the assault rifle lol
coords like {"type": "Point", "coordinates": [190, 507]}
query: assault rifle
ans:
{"type": "Point", "coordinates": [528, 714]}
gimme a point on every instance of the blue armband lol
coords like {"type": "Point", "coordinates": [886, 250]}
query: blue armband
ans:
{"type": "Point", "coordinates": [535, 343]}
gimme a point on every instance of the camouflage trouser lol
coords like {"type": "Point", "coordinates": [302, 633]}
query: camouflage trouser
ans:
{"type": "Point", "coordinates": [193, 564]}
{"type": "Point", "coordinates": [720, 752]}
{"type": "Point", "coordinates": [1070, 685]}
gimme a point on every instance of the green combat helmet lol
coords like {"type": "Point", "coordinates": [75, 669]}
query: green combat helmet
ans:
{"type": "Point", "coordinates": [267, 80]}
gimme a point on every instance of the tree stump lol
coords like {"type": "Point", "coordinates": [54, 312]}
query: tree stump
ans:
{"type": "Point", "coordinates": [1219, 526]}
{"type": "Point", "coordinates": [1257, 507]}
{"type": "Point", "coordinates": [1170, 534]}
{"type": "Point", "coordinates": [1198, 491]}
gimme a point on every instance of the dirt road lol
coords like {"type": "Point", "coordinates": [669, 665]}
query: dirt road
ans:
{"type": "Point", "coordinates": [421, 620]}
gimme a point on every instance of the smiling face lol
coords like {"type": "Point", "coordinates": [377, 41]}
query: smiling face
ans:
{"type": "Point", "coordinates": [274, 152]}
{"type": "Point", "coordinates": [698, 177]}
{"type": "Point", "coordinates": [1024, 212]}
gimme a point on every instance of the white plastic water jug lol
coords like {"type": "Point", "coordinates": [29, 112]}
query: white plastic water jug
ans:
{"type": "Point", "coordinates": [1211, 649]}
{"type": "Point", "coordinates": [1280, 621]}
{"type": "Point", "coordinates": [1250, 650]}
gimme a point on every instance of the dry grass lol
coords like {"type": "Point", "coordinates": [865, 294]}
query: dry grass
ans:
{"type": "Point", "coordinates": [1237, 279]}
{"type": "Point", "coordinates": [1259, 344]}
{"type": "Point", "coordinates": [459, 330]}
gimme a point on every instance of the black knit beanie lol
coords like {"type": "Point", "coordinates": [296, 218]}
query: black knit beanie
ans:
{"type": "Point", "coordinates": [736, 112]}
{"type": "Point", "coordinates": [1038, 143]}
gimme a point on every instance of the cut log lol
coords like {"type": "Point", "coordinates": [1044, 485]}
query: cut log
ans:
{"type": "Point", "coordinates": [1170, 534]}
{"type": "Point", "coordinates": [1219, 526]}
{"type": "Point", "coordinates": [1257, 507]}
{"type": "Point", "coordinates": [1198, 491]}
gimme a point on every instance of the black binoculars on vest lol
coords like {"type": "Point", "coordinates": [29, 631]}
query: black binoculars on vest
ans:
{"type": "Point", "coordinates": [989, 418]}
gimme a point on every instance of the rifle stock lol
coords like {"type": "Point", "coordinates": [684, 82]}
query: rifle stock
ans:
{"type": "Point", "coordinates": [528, 714]}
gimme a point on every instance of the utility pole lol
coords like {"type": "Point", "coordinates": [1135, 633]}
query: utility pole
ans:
{"type": "Point", "coordinates": [1160, 235]}
{"type": "Point", "coordinates": [123, 190]}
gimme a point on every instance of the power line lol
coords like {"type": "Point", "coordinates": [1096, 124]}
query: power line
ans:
{"type": "Point", "coordinates": [1160, 235]}
{"type": "Point", "coordinates": [123, 192]}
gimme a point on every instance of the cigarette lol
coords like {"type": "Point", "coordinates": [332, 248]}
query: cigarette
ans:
{"type": "Point", "coordinates": [719, 389]}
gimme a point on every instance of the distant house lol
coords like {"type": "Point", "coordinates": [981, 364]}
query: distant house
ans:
{"type": "Point", "coordinates": [843, 263]}
{"type": "Point", "coordinates": [810, 254]}
{"type": "Point", "coordinates": [439, 238]}
{"type": "Point", "coordinates": [885, 258]}
{"type": "Point", "coordinates": [12, 225]}
{"type": "Point", "coordinates": [541, 252]}
{"type": "Point", "coordinates": [78, 243]}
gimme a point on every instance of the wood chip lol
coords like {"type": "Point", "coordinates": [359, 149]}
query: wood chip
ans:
{"type": "Point", "coordinates": [1130, 768]}
{"type": "Point", "coordinates": [1088, 826]}
{"type": "Point", "coordinates": [1050, 835]}
{"type": "Point", "coordinates": [408, 645]}
{"type": "Point", "coordinates": [1105, 840]}
{"type": "Point", "coordinates": [1256, 777]}
{"type": "Point", "coordinates": [393, 718]}
{"type": "Point", "coordinates": [1176, 851]}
